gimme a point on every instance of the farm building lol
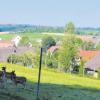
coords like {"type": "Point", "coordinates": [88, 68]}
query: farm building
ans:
{"type": "Point", "coordinates": [84, 54]}
{"type": "Point", "coordinates": [94, 63]}
{"type": "Point", "coordinates": [14, 42]}
{"type": "Point", "coordinates": [87, 55]}
{"type": "Point", "coordinates": [52, 49]}
{"type": "Point", "coordinates": [5, 52]}
{"type": "Point", "coordinates": [5, 44]}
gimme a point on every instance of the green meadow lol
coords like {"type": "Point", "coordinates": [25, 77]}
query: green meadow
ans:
{"type": "Point", "coordinates": [7, 36]}
{"type": "Point", "coordinates": [54, 85]}
{"type": "Point", "coordinates": [12, 35]}
{"type": "Point", "coordinates": [32, 36]}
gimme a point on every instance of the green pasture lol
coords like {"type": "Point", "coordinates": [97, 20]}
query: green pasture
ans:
{"type": "Point", "coordinates": [32, 36]}
{"type": "Point", "coordinates": [7, 36]}
{"type": "Point", "coordinates": [12, 35]}
{"type": "Point", "coordinates": [54, 85]}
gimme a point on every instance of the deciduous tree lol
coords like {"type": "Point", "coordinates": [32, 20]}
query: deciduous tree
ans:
{"type": "Point", "coordinates": [70, 28]}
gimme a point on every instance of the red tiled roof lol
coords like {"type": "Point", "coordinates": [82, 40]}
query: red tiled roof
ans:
{"type": "Point", "coordinates": [53, 48]}
{"type": "Point", "coordinates": [5, 44]}
{"type": "Point", "coordinates": [88, 54]}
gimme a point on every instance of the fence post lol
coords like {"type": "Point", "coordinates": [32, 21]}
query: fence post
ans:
{"type": "Point", "coordinates": [39, 74]}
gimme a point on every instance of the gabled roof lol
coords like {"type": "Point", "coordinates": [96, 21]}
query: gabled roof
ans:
{"type": "Point", "coordinates": [87, 55]}
{"type": "Point", "coordinates": [5, 52]}
{"type": "Point", "coordinates": [53, 48]}
{"type": "Point", "coordinates": [6, 43]}
{"type": "Point", "coordinates": [94, 63]}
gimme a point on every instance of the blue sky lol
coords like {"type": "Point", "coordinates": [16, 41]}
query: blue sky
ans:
{"type": "Point", "coordinates": [84, 13]}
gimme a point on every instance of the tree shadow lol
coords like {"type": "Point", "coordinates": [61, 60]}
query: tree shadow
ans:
{"type": "Point", "coordinates": [65, 92]}
{"type": "Point", "coordinates": [49, 91]}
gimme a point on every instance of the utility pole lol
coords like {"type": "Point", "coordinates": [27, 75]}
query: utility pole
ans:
{"type": "Point", "coordinates": [39, 74]}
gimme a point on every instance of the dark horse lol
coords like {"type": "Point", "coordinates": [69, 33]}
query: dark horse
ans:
{"type": "Point", "coordinates": [18, 79]}
{"type": "Point", "coordinates": [3, 76]}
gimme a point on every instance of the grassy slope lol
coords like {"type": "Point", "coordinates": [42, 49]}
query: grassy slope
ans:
{"type": "Point", "coordinates": [59, 86]}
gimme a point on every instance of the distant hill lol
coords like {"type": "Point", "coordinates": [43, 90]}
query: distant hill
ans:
{"type": "Point", "coordinates": [88, 30]}
{"type": "Point", "coordinates": [30, 28]}
{"type": "Point", "coordinates": [50, 29]}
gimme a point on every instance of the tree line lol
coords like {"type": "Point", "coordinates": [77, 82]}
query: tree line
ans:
{"type": "Point", "coordinates": [30, 28]}
{"type": "Point", "coordinates": [19, 28]}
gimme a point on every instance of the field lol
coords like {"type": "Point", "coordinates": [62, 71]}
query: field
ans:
{"type": "Point", "coordinates": [32, 36]}
{"type": "Point", "coordinates": [12, 35]}
{"type": "Point", "coordinates": [54, 85]}
{"type": "Point", "coordinates": [7, 36]}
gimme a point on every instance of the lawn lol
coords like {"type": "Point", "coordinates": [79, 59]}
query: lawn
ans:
{"type": "Point", "coordinates": [54, 85]}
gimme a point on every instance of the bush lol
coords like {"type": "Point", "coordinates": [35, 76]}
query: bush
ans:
{"type": "Point", "coordinates": [81, 68]}
{"type": "Point", "coordinates": [47, 42]}
{"type": "Point", "coordinates": [99, 73]}
{"type": "Point", "coordinates": [25, 59]}
{"type": "Point", "coordinates": [13, 59]}
{"type": "Point", "coordinates": [51, 60]}
{"type": "Point", "coordinates": [24, 41]}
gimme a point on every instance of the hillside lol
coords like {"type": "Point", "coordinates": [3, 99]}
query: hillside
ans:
{"type": "Point", "coordinates": [54, 85]}
{"type": "Point", "coordinates": [13, 28]}
{"type": "Point", "coordinates": [29, 28]}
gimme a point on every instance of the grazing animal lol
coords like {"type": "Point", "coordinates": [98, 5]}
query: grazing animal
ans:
{"type": "Point", "coordinates": [18, 79]}
{"type": "Point", "coordinates": [1, 81]}
{"type": "Point", "coordinates": [7, 74]}
{"type": "Point", "coordinates": [0, 73]}
{"type": "Point", "coordinates": [3, 73]}
{"type": "Point", "coordinates": [3, 76]}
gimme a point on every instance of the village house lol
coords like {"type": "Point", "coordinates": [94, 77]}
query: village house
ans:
{"type": "Point", "coordinates": [91, 58]}
{"type": "Point", "coordinates": [5, 44]}
{"type": "Point", "coordinates": [14, 42]}
{"type": "Point", "coordinates": [94, 63]}
{"type": "Point", "coordinates": [88, 54]}
{"type": "Point", "coordinates": [93, 66]}
{"type": "Point", "coordinates": [52, 49]}
{"type": "Point", "coordinates": [5, 52]}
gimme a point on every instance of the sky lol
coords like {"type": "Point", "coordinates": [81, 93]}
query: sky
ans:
{"type": "Point", "coordinates": [83, 13]}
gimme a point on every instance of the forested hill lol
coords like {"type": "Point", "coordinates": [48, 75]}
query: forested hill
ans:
{"type": "Point", "coordinates": [89, 30]}
{"type": "Point", "coordinates": [40, 29]}
{"type": "Point", "coordinates": [30, 28]}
